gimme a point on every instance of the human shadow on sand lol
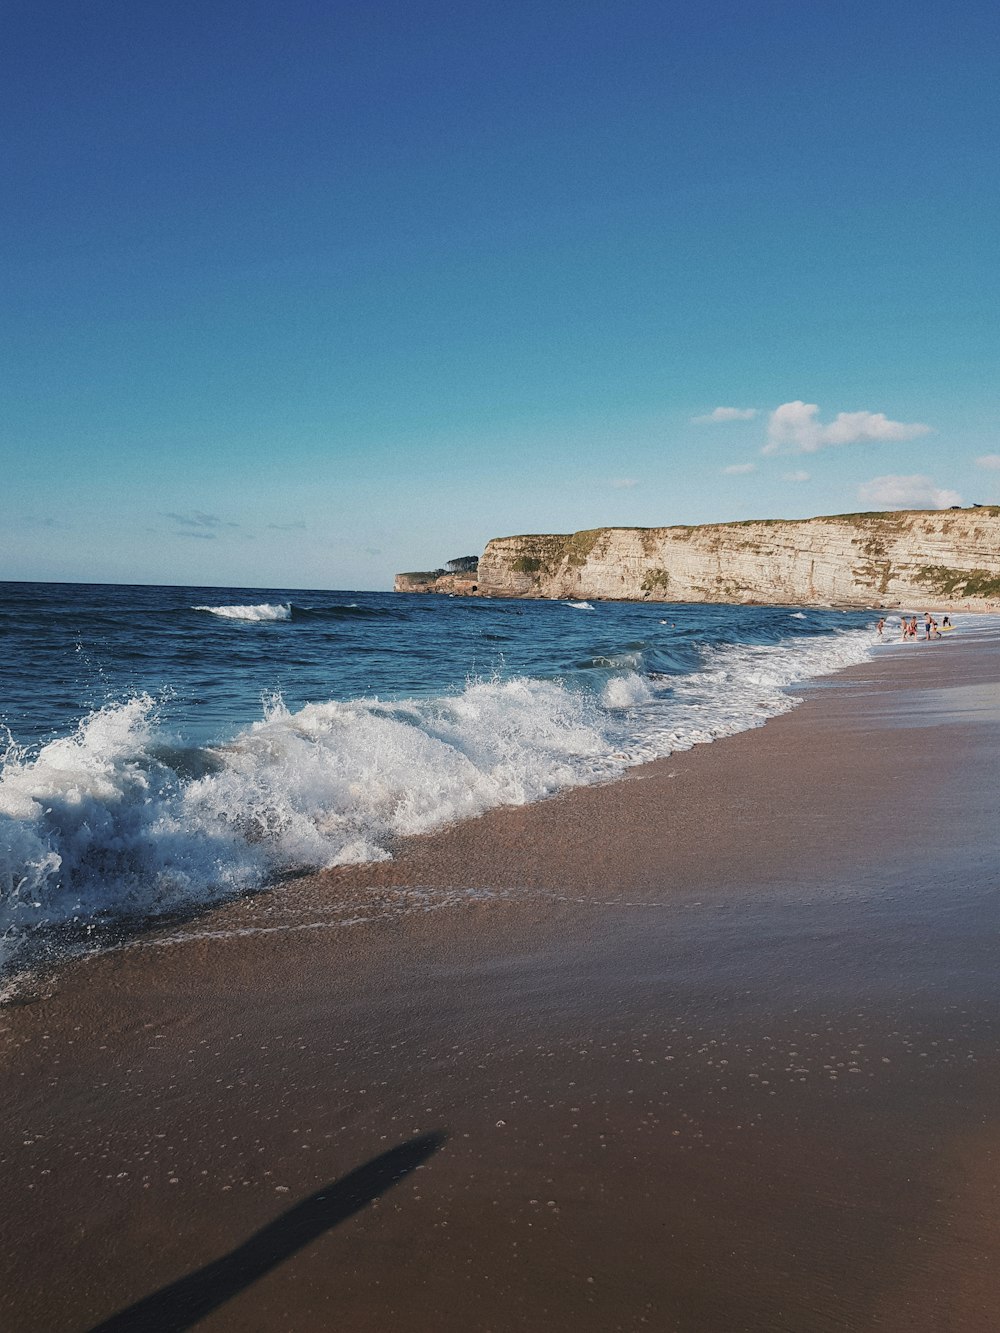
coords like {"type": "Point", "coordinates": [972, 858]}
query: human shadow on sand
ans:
{"type": "Point", "coordinates": [183, 1303]}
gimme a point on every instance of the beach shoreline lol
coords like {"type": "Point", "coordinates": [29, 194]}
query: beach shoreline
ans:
{"type": "Point", "coordinates": [709, 1047]}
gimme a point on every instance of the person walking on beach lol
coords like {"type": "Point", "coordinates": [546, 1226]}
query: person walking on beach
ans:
{"type": "Point", "coordinates": [927, 625]}
{"type": "Point", "coordinates": [880, 626]}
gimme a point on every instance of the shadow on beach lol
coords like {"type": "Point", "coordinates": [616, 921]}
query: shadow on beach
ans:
{"type": "Point", "coordinates": [183, 1303]}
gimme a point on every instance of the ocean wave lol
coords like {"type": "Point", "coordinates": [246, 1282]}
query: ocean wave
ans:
{"type": "Point", "coordinates": [581, 606]}
{"type": "Point", "coordinates": [262, 612]}
{"type": "Point", "coordinates": [99, 826]}
{"type": "Point", "coordinates": [117, 821]}
{"type": "Point", "coordinates": [738, 687]}
{"type": "Point", "coordinates": [627, 691]}
{"type": "Point", "coordinates": [271, 611]}
{"type": "Point", "coordinates": [625, 660]}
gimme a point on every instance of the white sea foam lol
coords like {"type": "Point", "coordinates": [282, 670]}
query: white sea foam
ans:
{"type": "Point", "coordinates": [626, 691]}
{"type": "Point", "coordinates": [798, 615]}
{"type": "Point", "coordinates": [264, 611]}
{"type": "Point", "coordinates": [739, 686]}
{"type": "Point", "coordinates": [580, 606]}
{"type": "Point", "coordinates": [98, 825]}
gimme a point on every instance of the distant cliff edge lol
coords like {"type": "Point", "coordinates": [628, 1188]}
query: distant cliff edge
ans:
{"type": "Point", "coordinates": [458, 577]}
{"type": "Point", "coordinates": [906, 557]}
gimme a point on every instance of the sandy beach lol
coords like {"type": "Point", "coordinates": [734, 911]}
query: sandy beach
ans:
{"type": "Point", "coordinates": [710, 1048]}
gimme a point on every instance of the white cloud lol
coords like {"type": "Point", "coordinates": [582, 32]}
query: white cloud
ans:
{"type": "Point", "coordinates": [739, 469]}
{"type": "Point", "coordinates": [916, 492]}
{"type": "Point", "coordinates": [795, 428]}
{"type": "Point", "coordinates": [624, 483]}
{"type": "Point", "coordinates": [989, 461]}
{"type": "Point", "coordinates": [797, 475]}
{"type": "Point", "coordinates": [726, 414]}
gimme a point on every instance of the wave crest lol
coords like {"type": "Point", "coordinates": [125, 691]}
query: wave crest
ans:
{"type": "Point", "coordinates": [263, 611]}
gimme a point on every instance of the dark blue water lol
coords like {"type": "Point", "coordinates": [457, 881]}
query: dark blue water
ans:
{"type": "Point", "coordinates": [66, 649]}
{"type": "Point", "coordinates": [170, 746]}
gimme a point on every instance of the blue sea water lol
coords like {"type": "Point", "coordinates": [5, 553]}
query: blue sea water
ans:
{"type": "Point", "coordinates": [164, 748]}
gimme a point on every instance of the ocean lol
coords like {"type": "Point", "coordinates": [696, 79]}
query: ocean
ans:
{"type": "Point", "coordinates": [166, 748]}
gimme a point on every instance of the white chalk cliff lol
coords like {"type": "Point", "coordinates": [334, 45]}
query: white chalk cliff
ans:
{"type": "Point", "coordinates": [915, 559]}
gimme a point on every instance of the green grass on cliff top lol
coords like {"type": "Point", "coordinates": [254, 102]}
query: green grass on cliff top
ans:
{"type": "Point", "coordinates": [863, 516]}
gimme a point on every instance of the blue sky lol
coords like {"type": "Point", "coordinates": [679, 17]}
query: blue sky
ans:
{"type": "Point", "coordinates": [303, 294]}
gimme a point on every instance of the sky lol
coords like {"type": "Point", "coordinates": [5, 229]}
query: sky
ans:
{"type": "Point", "coordinates": [302, 294]}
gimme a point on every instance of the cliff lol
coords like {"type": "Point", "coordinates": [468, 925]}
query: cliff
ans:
{"type": "Point", "coordinates": [917, 559]}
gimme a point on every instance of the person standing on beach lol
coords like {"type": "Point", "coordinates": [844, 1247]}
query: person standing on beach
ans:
{"type": "Point", "coordinates": [880, 626]}
{"type": "Point", "coordinates": [927, 625]}
{"type": "Point", "coordinates": [913, 627]}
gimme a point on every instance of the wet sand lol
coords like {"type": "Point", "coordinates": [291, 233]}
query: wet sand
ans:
{"type": "Point", "coordinates": [710, 1048]}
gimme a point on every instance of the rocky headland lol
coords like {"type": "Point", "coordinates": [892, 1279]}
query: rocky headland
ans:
{"type": "Point", "coordinates": [925, 558]}
{"type": "Point", "coordinates": [434, 580]}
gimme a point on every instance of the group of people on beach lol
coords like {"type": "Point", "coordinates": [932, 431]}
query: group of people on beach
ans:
{"type": "Point", "coordinates": [932, 630]}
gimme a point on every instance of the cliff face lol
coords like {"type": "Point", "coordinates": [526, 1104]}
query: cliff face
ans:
{"type": "Point", "coordinates": [913, 558]}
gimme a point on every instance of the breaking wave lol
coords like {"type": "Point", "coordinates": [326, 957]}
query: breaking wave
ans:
{"type": "Point", "coordinates": [117, 822]}
{"type": "Point", "coordinates": [264, 611]}
{"type": "Point", "coordinates": [268, 611]}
